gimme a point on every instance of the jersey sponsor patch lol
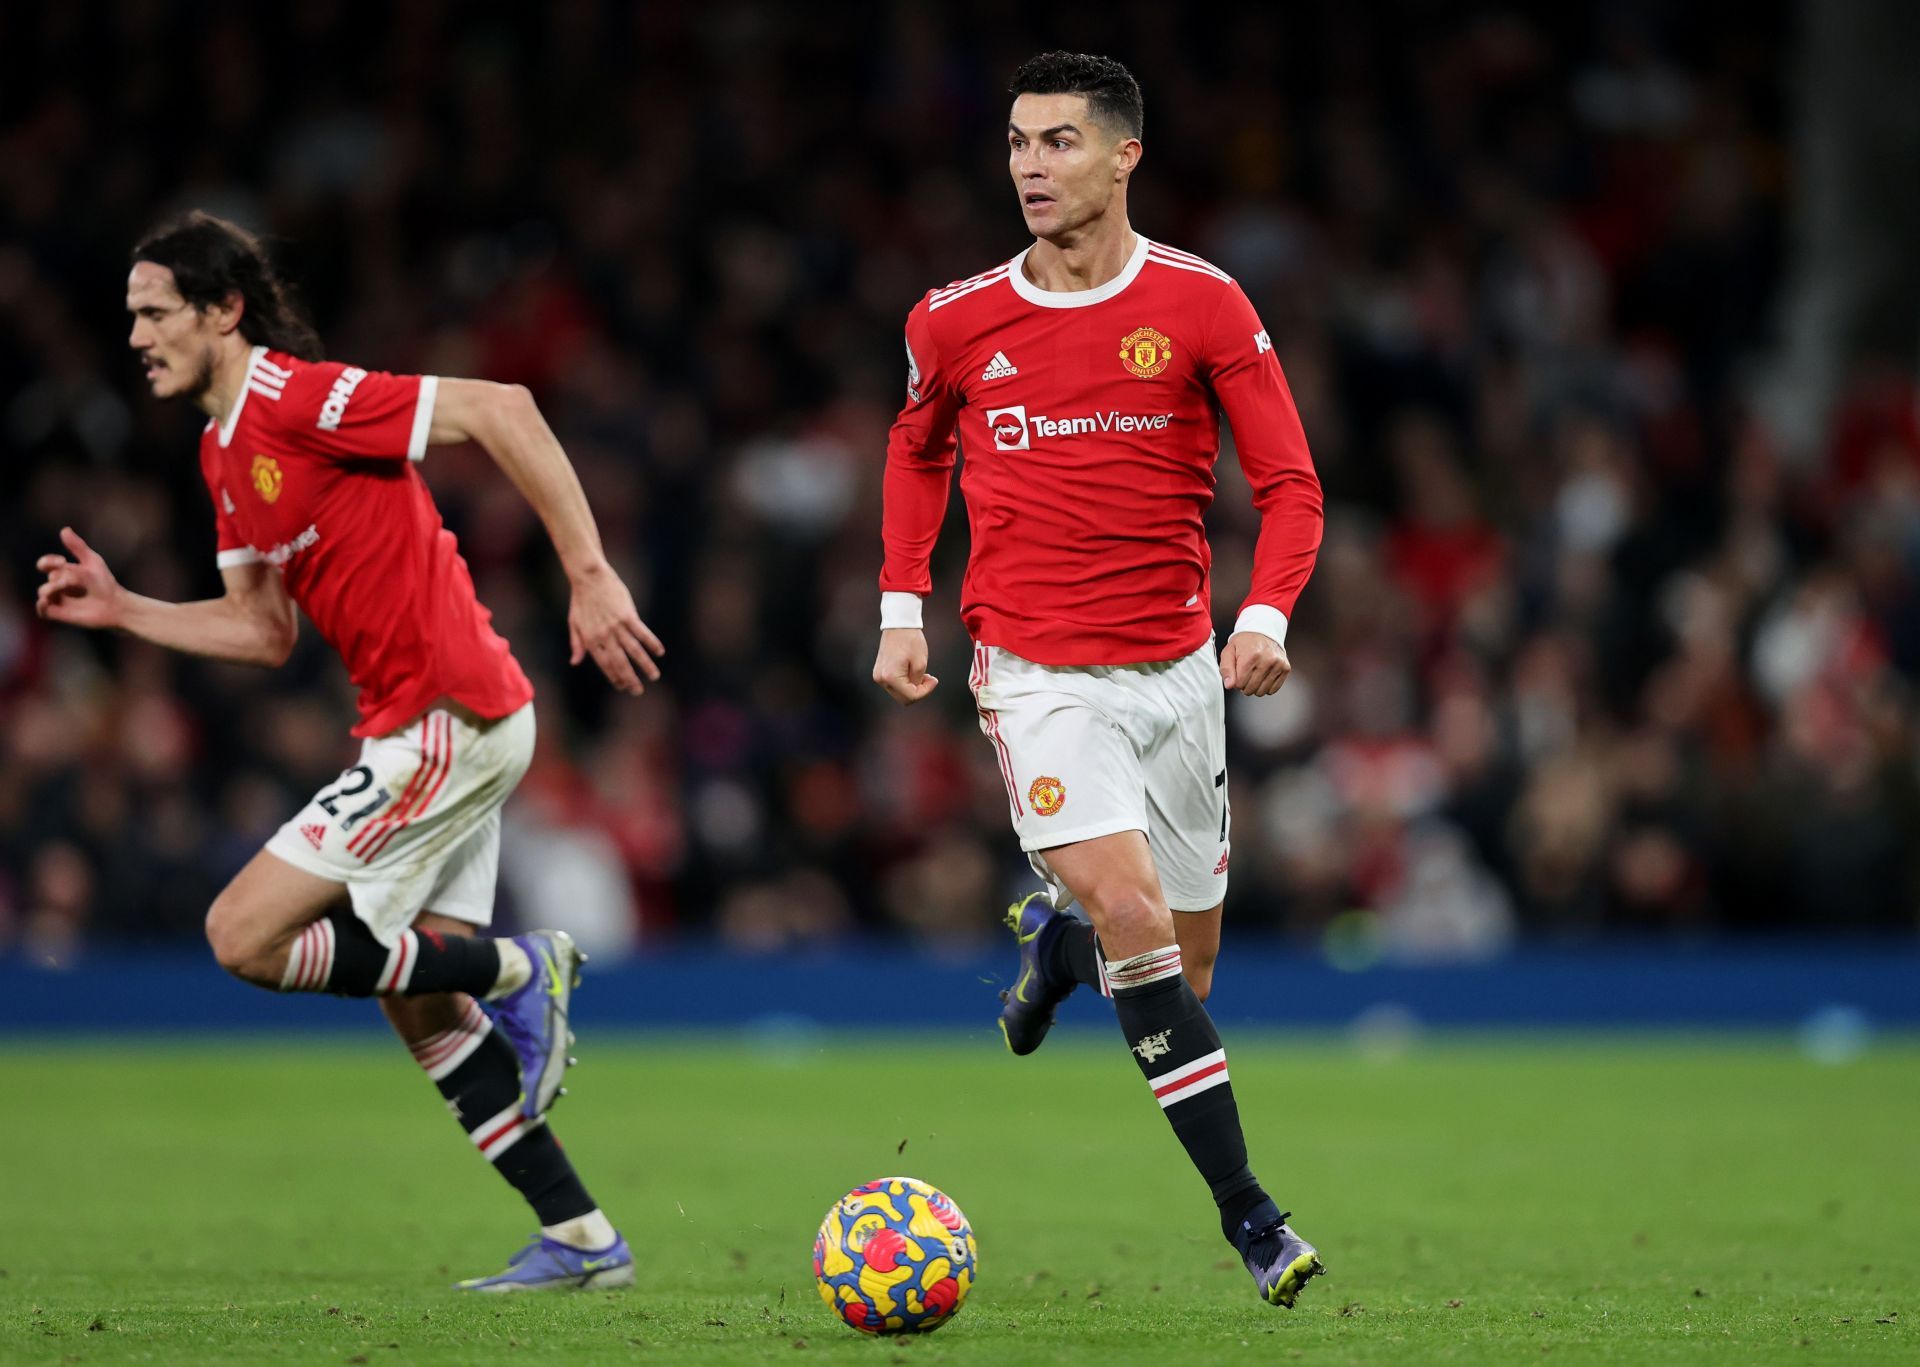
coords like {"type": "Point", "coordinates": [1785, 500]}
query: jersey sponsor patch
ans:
{"type": "Point", "coordinates": [1146, 352]}
{"type": "Point", "coordinates": [1009, 428]}
{"type": "Point", "coordinates": [1109, 421]}
{"type": "Point", "coordinates": [286, 550]}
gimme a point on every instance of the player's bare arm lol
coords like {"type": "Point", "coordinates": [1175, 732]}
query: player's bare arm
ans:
{"type": "Point", "coordinates": [254, 622]}
{"type": "Point", "coordinates": [1254, 664]}
{"type": "Point", "coordinates": [504, 421]}
{"type": "Point", "coordinates": [901, 666]}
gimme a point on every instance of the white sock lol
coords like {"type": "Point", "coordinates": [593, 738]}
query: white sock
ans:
{"type": "Point", "coordinates": [591, 1231]}
{"type": "Point", "coordinates": [515, 969]}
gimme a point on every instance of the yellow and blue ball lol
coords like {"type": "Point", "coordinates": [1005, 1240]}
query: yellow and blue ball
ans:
{"type": "Point", "coordinates": [894, 1256]}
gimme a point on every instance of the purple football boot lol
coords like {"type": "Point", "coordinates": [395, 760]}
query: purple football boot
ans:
{"type": "Point", "coordinates": [1281, 1261]}
{"type": "Point", "coordinates": [1029, 1004]}
{"type": "Point", "coordinates": [545, 1265]}
{"type": "Point", "coordinates": [534, 1017]}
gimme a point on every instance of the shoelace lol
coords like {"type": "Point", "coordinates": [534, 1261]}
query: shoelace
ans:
{"type": "Point", "coordinates": [1255, 1236]}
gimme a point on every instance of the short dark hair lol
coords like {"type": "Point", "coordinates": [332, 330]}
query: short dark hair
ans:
{"type": "Point", "coordinates": [210, 259]}
{"type": "Point", "coordinates": [1113, 96]}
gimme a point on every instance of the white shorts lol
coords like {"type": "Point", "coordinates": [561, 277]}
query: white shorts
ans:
{"type": "Point", "coordinates": [1088, 750]}
{"type": "Point", "coordinates": [415, 825]}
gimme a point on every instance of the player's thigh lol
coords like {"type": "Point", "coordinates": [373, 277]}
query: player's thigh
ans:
{"type": "Point", "coordinates": [1071, 773]}
{"type": "Point", "coordinates": [1184, 770]}
{"type": "Point", "coordinates": [1114, 878]}
{"type": "Point", "coordinates": [463, 893]}
{"type": "Point", "coordinates": [265, 905]}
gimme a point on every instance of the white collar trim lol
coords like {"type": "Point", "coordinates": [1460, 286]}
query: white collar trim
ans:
{"type": "Point", "coordinates": [246, 383]}
{"type": "Point", "coordinates": [1077, 299]}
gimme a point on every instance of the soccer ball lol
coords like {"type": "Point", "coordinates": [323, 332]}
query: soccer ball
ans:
{"type": "Point", "coordinates": [894, 1257]}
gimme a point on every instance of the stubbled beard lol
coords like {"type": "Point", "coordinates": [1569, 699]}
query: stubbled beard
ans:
{"type": "Point", "coordinates": [195, 389]}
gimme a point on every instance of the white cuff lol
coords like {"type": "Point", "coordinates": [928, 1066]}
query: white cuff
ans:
{"type": "Point", "coordinates": [1268, 621]}
{"type": "Point", "coordinates": [240, 555]}
{"type": "Point", "coordinates": [423, 417]}
{"type": "Point", "coordinates": [899, 610]}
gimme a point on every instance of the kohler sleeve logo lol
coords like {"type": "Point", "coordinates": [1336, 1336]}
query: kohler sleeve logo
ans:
{"type": "Point", "coordinates": [335, 408]}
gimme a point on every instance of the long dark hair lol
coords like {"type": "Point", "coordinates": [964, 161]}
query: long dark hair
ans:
{"type": "Point", "coordinates": [210, 259]}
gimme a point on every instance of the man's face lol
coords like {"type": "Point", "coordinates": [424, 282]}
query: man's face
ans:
{"type": "Point", "coordinates": [1066, 168]}
{"type": "Point", "coordinates": [176, 341]}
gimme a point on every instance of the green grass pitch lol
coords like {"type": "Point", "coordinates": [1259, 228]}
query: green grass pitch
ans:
{"type": "Point", "coordinates": [1477, 1199]}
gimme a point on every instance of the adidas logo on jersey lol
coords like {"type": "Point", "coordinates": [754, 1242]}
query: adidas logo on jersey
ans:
{"type": "Point", "coordinates": [999, 368]}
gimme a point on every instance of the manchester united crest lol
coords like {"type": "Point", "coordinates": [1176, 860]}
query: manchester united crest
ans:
{"type": "Point", "coordinates": [1048, 795]}
{"type": "Point", "coordinates": [1146, 351]}
{"type": "Point", "coordinates": [267, 478]}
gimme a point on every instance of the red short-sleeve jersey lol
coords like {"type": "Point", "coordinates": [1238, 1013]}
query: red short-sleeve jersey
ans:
{"type": "Point", "coordinates": [313, 472]}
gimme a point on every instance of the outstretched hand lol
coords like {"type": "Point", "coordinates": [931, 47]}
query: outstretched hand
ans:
{"type": "Point", "coordinates": [901, 666]}
{"type": "Point", "coordinates": [603, 622]}
{"type": "Point", "coordinates": [81, 592]}
{"type": "Point", "coordinates": [1254, 663]}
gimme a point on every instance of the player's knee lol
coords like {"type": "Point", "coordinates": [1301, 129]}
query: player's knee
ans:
{"type": "Point", "coordinates": [235, 942]}
{"type": "Point", "coordinates": [1128, 914]}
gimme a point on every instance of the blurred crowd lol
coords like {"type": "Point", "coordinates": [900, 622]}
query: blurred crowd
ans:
{"type": "Point", "coordinates": [1589, 648]}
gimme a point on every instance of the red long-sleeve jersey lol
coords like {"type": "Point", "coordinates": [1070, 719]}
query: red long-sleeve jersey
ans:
{"type": "Point", "coordinates": [1090, 422]}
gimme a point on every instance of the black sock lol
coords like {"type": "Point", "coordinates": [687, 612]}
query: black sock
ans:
{"type": "Point", "coordinates": [1179, 1051]}
{"type": "Point", "coordinates": [338, 954]}
{"type": "Point", "coordinates": [1074, 953]}
{"type": "Point", "coordinates": [477, 1072]}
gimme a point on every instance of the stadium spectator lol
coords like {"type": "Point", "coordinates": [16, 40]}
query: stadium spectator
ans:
{"type": "Point", "coordinates": [1591, 647]}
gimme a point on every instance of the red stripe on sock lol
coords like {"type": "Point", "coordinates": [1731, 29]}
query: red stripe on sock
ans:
{"type": "Point", "coordinates": [444, 1046]}
{"type": "Point", "coordinates": [500, 1132]}
{"type": "Point", "coordinates": [445, 1051]}
{"type": "Point", "coordinates": [403, 955]}
{"type": "Point", "coordinates": [1191, 1078]}
{"type": "Point", "coordinates": [311, 970]}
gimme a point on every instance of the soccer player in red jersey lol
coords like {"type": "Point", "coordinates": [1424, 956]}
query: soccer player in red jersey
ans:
{"type": "Point", "coordinates": [1084, 379]}
{"type": "Point", "coordinates": [377, 887]}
